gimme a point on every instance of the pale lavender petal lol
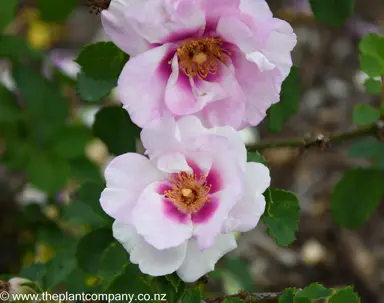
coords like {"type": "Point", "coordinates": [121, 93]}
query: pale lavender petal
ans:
{"type": "Point", "coordinates": [198, 263]}
{"type": "Point", "coordinates": [151, 261]}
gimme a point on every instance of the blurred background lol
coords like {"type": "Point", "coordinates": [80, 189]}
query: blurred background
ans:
{"type": "Point", "coordinates": [331, 84]}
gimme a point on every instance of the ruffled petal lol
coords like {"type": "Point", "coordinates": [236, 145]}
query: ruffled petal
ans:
{"type": "Point", "coordinates": [198, 263]}
{"type": "Point", "coordinates": [189, 128]}
{"type": "Point", "coordinates": [258, 9]}
{"type": "Point", "coordinates": [173, 163]}
{"type": "Point", "coordinates": [157, 223]}
{"type": "Point", "coordinates": [153, 134]}
{"type": "Point", "coordinates": [142, 83]}
{"type": "Point", "coordinates": [151, 261]}
{"type": "Point", "coordinates": [177, 18]}
{"type": "Point", "coordinates": [120, 31]}
{"type": "Point", "coordinates": [246, 213]}
{"type": "Point", "coordinates": [126, 176]}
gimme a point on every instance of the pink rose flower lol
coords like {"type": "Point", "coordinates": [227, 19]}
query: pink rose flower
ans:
{"type": "Point", "coordinates": [221, 60]}
{"type": "Point", "coordinates": [177, 210]}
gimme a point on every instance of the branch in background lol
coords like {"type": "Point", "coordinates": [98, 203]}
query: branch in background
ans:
{"type": "Point", "coordinates": [246, 297]}
{"type": "Point", "coordinates": [321, 141]}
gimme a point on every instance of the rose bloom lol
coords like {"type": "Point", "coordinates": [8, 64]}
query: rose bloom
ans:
{"type": "Point", "coordinates": [221, 60]}
{"type": "Point", "coordinates": [178, 209]}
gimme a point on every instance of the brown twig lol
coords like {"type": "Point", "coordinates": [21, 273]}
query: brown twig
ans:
{"type": "Point", "coordinates": [321, 141]}
{"type": "Point", "coordinates": [248, 297]}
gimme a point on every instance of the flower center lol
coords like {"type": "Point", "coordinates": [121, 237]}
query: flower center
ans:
{"type": "Point", "coordinates": [189, 193]}
{"type": "Point", "coordinates": [96, 6]}
{"type": "Point", "coordinates": [201, 57]}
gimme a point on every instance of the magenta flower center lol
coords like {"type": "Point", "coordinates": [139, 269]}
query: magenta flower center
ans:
{"type": "Point", "coordinates": [189, 193]}
{"type": "Point", "coordinates": [201, 57]}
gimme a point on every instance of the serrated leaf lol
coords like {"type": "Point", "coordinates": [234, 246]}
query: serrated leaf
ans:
{"type": "Point", "coordinates": [102, 60]}
{"type": "Point", "coordinates": [345, 295]}
{"type": "Point", "coordinates": [91, 247]}
{"type": "Point", "coordinates": [332, 12]}
{"type": "Point", "coordinates": [315, 291]}
{"type": "Point", "coordinates": [47, 171]}
{"type": "Point", "coordinates": [112, 261]}
{"type": "Point", "coordinates": [282, 217]}
{"type": "Point", "coordinates": [58, 10]}
{"type": "Point", "coordinates": [92, 90]}
{"type": "Point", "coordinates": [373, 86]}
{"type": "Point", "coordinates": [192, 296]}
{"type": "Point", "coordinates": [356, 196]}
{"type": "Point", "coordinates": [15, 46]}
{"type": "Point", "coordinates": [7, 12]}
{"type": "Point", "coordinates": [256, 157]}
{"type": "Point", "coordinates": [364, 114]}
{"type": "Point", "coordinates": [287, 295]}
{"type": "Point", "coordinates": [113, 126]}
{"type": "Point", "coordinates": [9, 111]}
{"type": "Point", "coordinates": [279, 113]}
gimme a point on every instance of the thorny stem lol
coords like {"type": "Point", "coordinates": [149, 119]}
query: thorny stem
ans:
{"type": "Point", "coordinates": [247, 297]}
{"type": "Point", "coordinates": [321, 141]}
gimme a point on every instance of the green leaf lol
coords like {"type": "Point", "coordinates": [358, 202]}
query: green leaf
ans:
{"type": "Point", "coordinates": [7, 12]}
{"type": "Point", "coordinates": [84, 170]}
{"type": "Point", "coordinates": [370, 65]}
{"type": "Point", "coordinates": [345, 295]}
{"type": "Point", "coordinates": [372, 58]}
{"type": "Point", "coordinates": [315, 291]}
{"type": "Point", "coordinates": [233, 300]}
{"type": "Point", "coordinates": [15, 46]}
{"type": "Point", "coordinates": [369, 148]}
{"type": "Point", "coordinates": [85, 207]}
{"type": "Point", "coordinates": [58, 10]}
{"type": "Point", "coordinates": [171, 294]}
{"type": "Point", "coordinates": [239, 270]}
{"type": "Point", "coordinates": [34, 272]}
{"type": "Point", "coordinates": [302, 300]}
{"type": "Point", "coordinates": [9, 111]}
{"type": "Point", "coordinates": [332, 12]}
{"type": "Point", "coordinates": [47, 172]}
{"type": "Point", "coordinates": [44, 100]}
{"type": "Point", "coordinates": [282, 217]}
{"type": "Point", "coordinates": [59, 268]}
{"type": "Point", "coordinates": [102, 60]}
{"type": "Point", "coordinates": [174, 279]}
{"type": "Point", "coordinates": [279, 113]}
{"type": "Point", "coordinates": [131, 281]}
{"type": "Point", "coordinates": [91, 247]}
{"type": "Point", "coordinates": [192, 296]}
{"type": "Point", "coordinates": [112, 261]}
{"type": "Point", "coordinates": [364, 114]}
{"type": "Point", "coordinates": [287, 295]}
{"type": "Point", "coordinates": [113, 126]}
{"type": "Point", "coordinates": [256, 157]}
{"type": "Point", "coordinates": [71, 142]}
{"type": "Point", "coordinates": [373, 86]}
{"type": "Point", "coordinates": [92, 90]}
{"type": "Point", "coordinates": [356, 196]}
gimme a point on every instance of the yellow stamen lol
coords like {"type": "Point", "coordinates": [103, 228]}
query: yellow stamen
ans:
{"type": "Point", "coordinates": [201, 57]}
{"type": "Point", "coordinates": [189, 193]}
